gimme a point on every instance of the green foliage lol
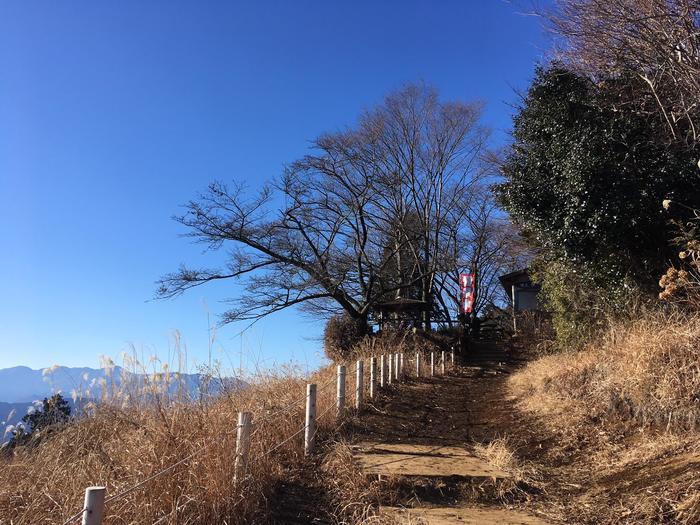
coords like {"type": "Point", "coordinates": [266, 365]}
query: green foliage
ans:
{"type": "Point", "coordinates": [588, 181]}
{"type": "Point", "coordinates": [54, 411]}
{"type": "Point", "coordinates": [580, 307]}
{"type": "Point", "coordinates": [585, 178]}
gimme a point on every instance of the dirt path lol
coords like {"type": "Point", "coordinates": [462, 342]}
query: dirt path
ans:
{"type": "Point", "coordinates": [457, 449]}
{"type": "Point", "coordinates": [422, 435]}
{"type": "Point", "coordinates": [432, 434]}
{"type": "Point", "coordinates": [301, 499]}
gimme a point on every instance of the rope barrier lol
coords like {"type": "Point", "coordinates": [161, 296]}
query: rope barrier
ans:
{"type": "Point", "coordinates": [283, 442]}
{"type": "Point", "coordinates": [350, 373]}
{"type": "Point", "coordinates": [75, 516]}
{"type": "Point", "coordinates": [140, 484]}
{"type": "Point", "coordinates": [289, 406]}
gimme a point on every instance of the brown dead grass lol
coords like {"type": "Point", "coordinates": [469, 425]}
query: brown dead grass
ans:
{"type": "Point", "coordinates": [625, 415]}
{"type": "Point", "coordinates": [352, 493]}
{"type": "Point", "coordinates": [125, 439]}
{"type": "Point", "coordinates": [523, 477]}
{"type": "Point", "coordinates": [400, 341]}
{"type": "Point", "coordinates": [646, 371]}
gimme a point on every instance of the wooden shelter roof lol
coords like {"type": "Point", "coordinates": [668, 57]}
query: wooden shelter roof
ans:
{"type": "Point", "coordinates": [403, 304]}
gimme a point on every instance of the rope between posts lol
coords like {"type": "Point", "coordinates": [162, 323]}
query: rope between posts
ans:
{"type": "Point", "coordinates": [273, 449]}
{"type": "Point", "coordinates": [140, 484]}
{"type": "Point", "coordinates": [330, 407]}
{"type": "Point", "coordinates": [291, 405]}
{"type": "Point", "coordinates": [352, 372]}
{"type": "Point", "coordinates": [284, 442]}
{"type": "Point", "coordinates": [287, 440]}
{"type": "Point", "coordinates": [75, 516]}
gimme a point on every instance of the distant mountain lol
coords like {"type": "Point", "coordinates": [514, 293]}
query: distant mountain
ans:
{"type": "Point", "coordinates": [20, 386]}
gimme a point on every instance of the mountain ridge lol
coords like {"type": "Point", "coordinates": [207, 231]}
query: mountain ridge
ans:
{"type": "Point", "coordinates": [21, 386]}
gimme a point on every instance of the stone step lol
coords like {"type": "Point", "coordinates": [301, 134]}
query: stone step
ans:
{"type": "Point", "coordinates": [460, 515]}
{"type": "Point", "coordinates": [400, 459]}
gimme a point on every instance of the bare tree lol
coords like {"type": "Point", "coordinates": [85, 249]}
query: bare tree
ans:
{"type": "Point", "coordinates": [325, 234]}
{"type": "Point", "coordinates": [654, 41]}
{"type": "Point", "coordinates": [485, 244]}
{"type": "Point", "coordinates": [433, 153]}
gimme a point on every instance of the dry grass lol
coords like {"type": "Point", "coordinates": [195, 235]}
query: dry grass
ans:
{"type": "Point", "coordinates": [399, 341]}
{"type": "Point", "coordinates": [535, 335]}
{"type": "Point", "coordinates": [522, 479]}
{"type": "Point", "coordinates": [135, 432]}
{"type": "Point", "coordinates": [627, 408]}
{"type": "Point", "coordinates": [142, 425]}
{"type": "Point", "coordinates": [352, 493]}
{"type": "Point", "coordinates": [646, 371]}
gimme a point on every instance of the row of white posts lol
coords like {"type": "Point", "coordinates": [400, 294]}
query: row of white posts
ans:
{"type": "Point", "coordinates": [391, 368]}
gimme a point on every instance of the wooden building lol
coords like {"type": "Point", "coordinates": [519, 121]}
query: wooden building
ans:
{"type": "Point", "coordinates": [523, 293]}
{"type": "Point", "coordinates": [400, 313]}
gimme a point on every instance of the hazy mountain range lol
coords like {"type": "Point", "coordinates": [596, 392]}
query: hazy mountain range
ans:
{"type": "Point", "coordinates": [20, 386]}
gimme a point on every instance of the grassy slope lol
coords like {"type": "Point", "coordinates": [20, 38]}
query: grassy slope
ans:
{"type": "Point", "coordinates": [624, 417]}
{"type": "Point", "coordinates": [121, 444]}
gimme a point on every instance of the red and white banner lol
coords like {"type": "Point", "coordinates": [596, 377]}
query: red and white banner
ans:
{"type": "Point", "coordinates": [466, 285]}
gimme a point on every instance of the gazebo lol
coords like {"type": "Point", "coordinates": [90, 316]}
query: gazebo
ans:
{"type": "Point", "coordinates": [400, 312]}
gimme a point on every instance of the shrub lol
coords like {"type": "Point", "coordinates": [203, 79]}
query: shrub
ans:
{"type": "Point", "coordinates": [535, 335]}
{"type": "Point", "coordinates": [681, 286]}
{"type": "Point", "coordinates": [580, 305]}
{"type": "Point", "coordinates": [588, 182]}
{"type": "Point", "coordinates": [400, 341]}
{"type": "Point", "coordinates": [585, 179]}
{"type": "Point", "coordinates": [54, 412]}
{"type": "Point", "coordinates": [341, 334]}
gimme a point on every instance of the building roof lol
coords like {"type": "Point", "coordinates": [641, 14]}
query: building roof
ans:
{"type": "Point", "coordinates": [403, 304]}
{"type": "Point", "coordinates": [518, 276]}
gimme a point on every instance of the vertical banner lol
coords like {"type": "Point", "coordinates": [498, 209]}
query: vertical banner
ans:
{"type": "Point", "coordinates": [466, 284]}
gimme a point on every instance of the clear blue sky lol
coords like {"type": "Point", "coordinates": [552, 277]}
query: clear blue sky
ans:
{"type": "Point", "coordinates": [113, 114]}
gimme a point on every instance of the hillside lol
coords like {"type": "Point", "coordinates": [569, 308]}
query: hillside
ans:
{"type": "Point", "coordinates": [499, 438]}
{"type": "Point", "coordinates": [502, 440]}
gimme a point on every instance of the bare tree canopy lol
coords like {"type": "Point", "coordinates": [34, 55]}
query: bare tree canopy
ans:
{"type": "Point", "coordinates": [654, 41]}
{"type": "Point", "coordinates": [485, 242]}
{"type": "Point", "coordinates": [326, 232]}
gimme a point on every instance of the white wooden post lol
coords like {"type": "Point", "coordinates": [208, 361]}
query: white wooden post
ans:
{"type": "Point", "coordinates": [396, 367]}
{"type": "Point", "coordinates": [442, 362]}
{"type": "Point", "coordinates": [372, 376]}
{"type": "Point", "coordinates": [382, 370]}
{"type": "Point", "coordinates": [340, 394]}
{"type": "Point", "coordinates": [452, 357]}
{"type": "Point", "coordinates": [310, 428]}
{"type": "Point", "coordinates": [417, 364]}
{"type": "Point", "coordinates": [359, 384]}
{"type": "Point", "coordinates": [514, 297]}
{"type": "Point", "coordinates": [432, 364]}
{"type": "Point", "coordinates": [94, 507]}
{"type": "Point", "coordinates": [390, 375]}
{"type": "Point", "coordinates": [245, 420]}
{"type": "Point", "coordinates": [402, 370]}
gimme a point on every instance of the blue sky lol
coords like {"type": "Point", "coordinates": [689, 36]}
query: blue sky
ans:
{"type": "Point", "coordinates": [114, 114]}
